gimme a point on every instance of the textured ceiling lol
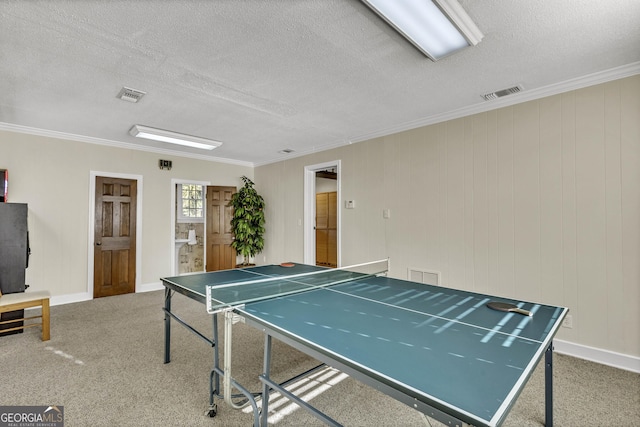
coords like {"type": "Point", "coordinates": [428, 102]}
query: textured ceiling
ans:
{"type": "Point", "coordinates": [263, 76]}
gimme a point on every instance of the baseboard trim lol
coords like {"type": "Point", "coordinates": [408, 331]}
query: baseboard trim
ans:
{"type": "Point", "coordinates": [86, 296]}
{"type": "Point", "coordinates": [598, 355]}
{"type": "Point", "coordinates": [148, 287]}
{"type": "Point", "coordinates": [70, 298]}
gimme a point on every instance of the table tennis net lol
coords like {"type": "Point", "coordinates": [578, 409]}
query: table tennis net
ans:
{"type": "Point", "coordinates": [230, 295]}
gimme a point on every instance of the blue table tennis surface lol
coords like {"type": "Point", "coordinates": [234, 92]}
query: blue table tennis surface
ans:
{"type": "Point", "coordinates": [438, 345]}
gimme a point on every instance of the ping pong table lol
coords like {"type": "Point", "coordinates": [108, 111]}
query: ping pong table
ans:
{"type": "Point", "coordinates": [441, 351]}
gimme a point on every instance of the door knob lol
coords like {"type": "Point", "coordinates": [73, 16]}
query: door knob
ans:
{"type": "Point", "coordinates": [99, 243]}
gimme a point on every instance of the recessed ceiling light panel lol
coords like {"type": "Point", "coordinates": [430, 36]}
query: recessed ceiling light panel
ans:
{"type": "Point", "coordinates": [436, 27]}
{"type": "Point", "coordinates": [162, 135]}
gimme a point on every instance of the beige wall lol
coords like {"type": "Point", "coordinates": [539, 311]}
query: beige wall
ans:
{"type": "Point", "coordinates": [539, 201]}
{"type": "Point", "coordinates": [53, 177]}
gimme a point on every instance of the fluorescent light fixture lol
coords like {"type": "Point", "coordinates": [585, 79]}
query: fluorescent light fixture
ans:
{"type": "Point", "coordinates": [436, 27]}
{"type": "Point", "coordinates": [173, 138]}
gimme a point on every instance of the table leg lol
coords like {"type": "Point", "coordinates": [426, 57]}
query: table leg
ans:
{"type": "Point", "coordinates": [214, 379]}
{"type": "Point", "coordinates": [548, 386]}
{"type": "Point", "coordinates": [265, 386]}
{"type": "Point", "coordinates": [167, 325]}
{"type": "Point", "coordinates": [46, 322]}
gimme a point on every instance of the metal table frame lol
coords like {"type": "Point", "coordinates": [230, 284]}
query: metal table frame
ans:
{"type": "Point", "coordinates": [217, 373]}
{"type": "Point", "coordinates": [260, 415]}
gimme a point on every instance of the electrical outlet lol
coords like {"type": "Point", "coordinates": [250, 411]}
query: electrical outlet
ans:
{"type": "Point", "coordinates": [568, 321]}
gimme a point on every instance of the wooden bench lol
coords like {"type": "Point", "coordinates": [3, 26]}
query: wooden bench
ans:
{"type": "Point", "coordinates": [22, 300]}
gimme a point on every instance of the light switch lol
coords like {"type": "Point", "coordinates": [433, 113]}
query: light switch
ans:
{"type": "Point", "coordinates": [349, 204]}
{"type": "Point", "coordinates": [386, 213]}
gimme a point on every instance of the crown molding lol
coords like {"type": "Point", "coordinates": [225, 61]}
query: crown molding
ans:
{"type": "Point", "coordinates": [525, 96]}
{"type": "Point", "coordinates": [484, 106]}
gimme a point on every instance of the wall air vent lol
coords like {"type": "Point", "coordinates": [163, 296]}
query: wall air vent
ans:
{"type": "Point", "coordinates": [500, 93]}
{"type": "Point", "coordinates": [420, 275]}
{"type": "Point", "coordinates": [130, 95]}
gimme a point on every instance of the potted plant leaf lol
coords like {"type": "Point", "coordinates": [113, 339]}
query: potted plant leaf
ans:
{"type": "Point", "coordinates": [247, 223]}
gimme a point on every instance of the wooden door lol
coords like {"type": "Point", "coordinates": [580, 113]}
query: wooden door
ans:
{"type": "Point", "coordinates": [220, 254]}
{"type": "Point", "coordinates": [327, 229]}
{"type": "Point", "coordinates": [114, 255]}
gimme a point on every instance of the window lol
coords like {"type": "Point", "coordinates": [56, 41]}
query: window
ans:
{"type": "Point", "coordinates": [190, 203]}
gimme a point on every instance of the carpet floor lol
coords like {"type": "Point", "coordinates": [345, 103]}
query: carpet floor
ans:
{"type": "Point", "coordinates": [104, 364]}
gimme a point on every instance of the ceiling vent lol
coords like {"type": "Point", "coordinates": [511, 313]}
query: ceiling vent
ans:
{"type": "Point", "coordinates": [130, 95]}
{"type": "Point", "coordinates": [500, 93]}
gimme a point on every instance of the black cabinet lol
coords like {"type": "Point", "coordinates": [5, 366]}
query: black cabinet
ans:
{"type": "Point", "coordinates": [14, 255]}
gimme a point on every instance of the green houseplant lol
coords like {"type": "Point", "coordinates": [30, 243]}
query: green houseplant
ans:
{"type": "Point", "coordinates": [248, 221]}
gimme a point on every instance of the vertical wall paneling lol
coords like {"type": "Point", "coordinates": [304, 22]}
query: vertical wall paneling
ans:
{"type": "Point", "coordinates": [412, 179]}
{"type": "Point", "coordinates": [455, 180]}
{"type": "Point", "coordinates": [430, 171]}
{"type": "Point", "coordinates": [468, 204]}
{"type": "Point", "coordinates": [353, 178]}
{"type": "Point", "coordinates": [370, 181]}
{"type": "Point", "coordinates": [480, 212]}
{"type": "Point", "coordinates": [551, 199]}
{"type": "Point", "coordinates": [569, 211]}
{"type": "Point", "coordinates": [505, 239]}
{"type": "Point", "coordinates": [389, 165]}
{"type": "Point", "coordinates": [536, 201]}
{"type": "Point", "coordinates": [405, 194]}
{"type": "Point", "coordinates": [375, 181]}
{"type": "Point", "coordinates": [493, 213]}
{"type": "Point", "coordinates": [590, 219]}
{"type": "Point", "coordinates": [293, 193]}
{"type": "Point", "coordinates": [630, 174]}
{"type": "Point", "coordinates": [526, 164]}
{"type": "Point", "coordinates": [369, 206]}
{"type": "Point", "coordinates": [420, 192]}
{"type": "Point", "coordinates": [440, 131]}
{"type": "Point", "coordinates": [613, 212]}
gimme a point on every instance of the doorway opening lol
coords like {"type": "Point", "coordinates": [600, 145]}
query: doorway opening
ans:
{"type": "Point", "coordinates": [322, 178]}
{"type": "Point", "coordinates": [188, 213]}
{"type": "Point", "coordinates": [326, 218]}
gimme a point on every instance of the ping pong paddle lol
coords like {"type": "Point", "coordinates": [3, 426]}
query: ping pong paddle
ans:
{"type": "Point", "coordinates": [505, 306]}
{"type": "Point", "coordinates": [287, 264]}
